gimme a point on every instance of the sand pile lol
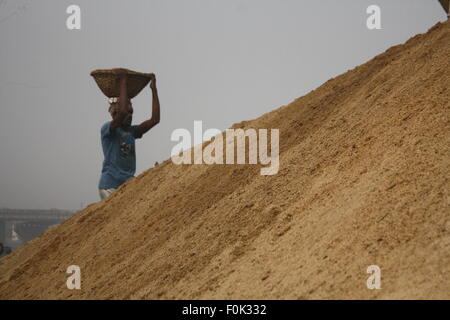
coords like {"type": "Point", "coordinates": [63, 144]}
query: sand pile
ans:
{"type": "Point", "coordinates": [364, 179]}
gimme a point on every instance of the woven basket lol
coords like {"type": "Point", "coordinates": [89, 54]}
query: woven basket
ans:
{"type": "Point", "coordinates": [108, 82]}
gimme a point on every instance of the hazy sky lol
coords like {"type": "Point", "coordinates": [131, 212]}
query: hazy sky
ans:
{"type": "Point", "coordinates": [220, 61]}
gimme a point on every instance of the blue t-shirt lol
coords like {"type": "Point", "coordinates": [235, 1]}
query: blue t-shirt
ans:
{"type": "Point", "coordinates": [120, 156]}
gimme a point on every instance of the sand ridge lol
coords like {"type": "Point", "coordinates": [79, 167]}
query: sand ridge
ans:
{"type": "Point", "coordinates": [364, 179]}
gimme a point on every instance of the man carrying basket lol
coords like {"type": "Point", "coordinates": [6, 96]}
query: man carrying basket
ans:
{"type": "Point", "coordinates": [118, 136]}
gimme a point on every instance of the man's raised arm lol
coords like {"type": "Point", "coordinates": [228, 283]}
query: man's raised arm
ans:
{"type": "Point", "coordinates": [123, 100]}
{"type": "Point", "coordinates": [148, 124]}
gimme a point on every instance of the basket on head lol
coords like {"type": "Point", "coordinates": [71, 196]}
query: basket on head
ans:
{"type": "Point", "coordinates": [108, 82]}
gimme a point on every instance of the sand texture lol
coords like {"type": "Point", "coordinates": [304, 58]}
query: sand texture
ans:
{"type": "Point", "coordinates": [364, 179]}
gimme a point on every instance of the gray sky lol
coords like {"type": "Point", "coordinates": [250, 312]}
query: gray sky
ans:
{"type": "Point", "coordinates": [220, 61]}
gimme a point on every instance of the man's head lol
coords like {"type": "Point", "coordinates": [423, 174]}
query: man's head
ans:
{"type": "Point", "coordinates": [114, 111]}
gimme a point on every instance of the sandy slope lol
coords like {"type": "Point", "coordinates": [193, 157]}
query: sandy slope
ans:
{"type": "Point", "coordinates": [364, 179]}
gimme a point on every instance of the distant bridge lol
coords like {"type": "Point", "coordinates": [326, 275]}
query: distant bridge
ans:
{"type": "Point", "coordinates": [20, 214]}
{"type": "Point", "coordinates": [19, 226]}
